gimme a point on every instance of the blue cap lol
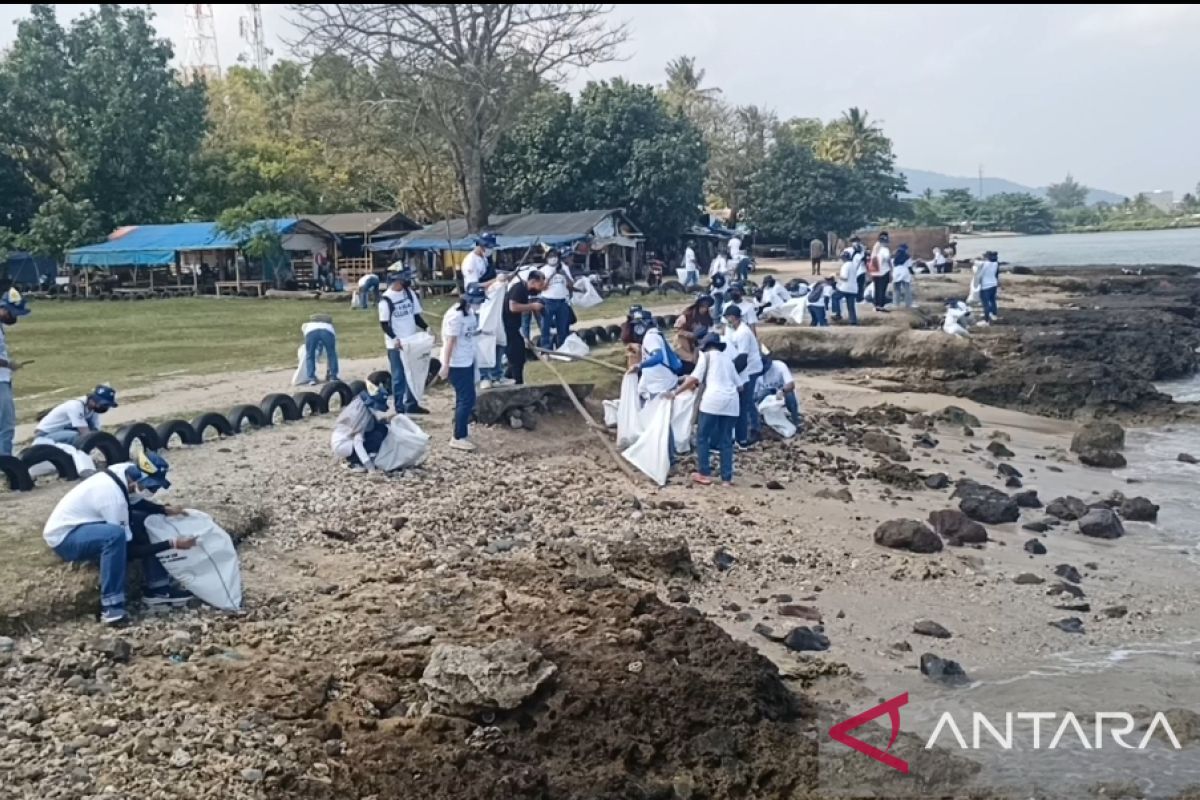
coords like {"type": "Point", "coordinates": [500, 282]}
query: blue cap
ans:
{"type": "Point", "coordinates": [710, 341]}
{"type": "Point", "coordinates": [647, 317]}
{"type": "Point", "coordinates": [150, 470]}
{"type": "Point", "coordinates": [485, 240]}
{"type": "Point", "coordinates": [635, 312]}
{"type": "Point", "coordinates": [12, 302]}
{"type": "Point", "coordinates": [705, 298]}
{"type": "Point", "coordinates": [475, 294]}
{"type": "Point", "coordinates": [397, 271]}
{"type": "Point", "coordinates": [733, 310]}
{"type": "Point", "coordinates": [104, 395]}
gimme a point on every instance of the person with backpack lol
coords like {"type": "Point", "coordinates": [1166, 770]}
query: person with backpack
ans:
{"type": "Point", "coordinates": [69, 420]}
{"type": "Point", "coordinates": [400, 317]}
{"type": "Point", "coordinates": [747, 357]}
{"type": "Point", "coordinates": [658, 366]}
{"type": "Point", "coordinates": [460, 327]}
{"type": "Point", "coordinates": [719, 408]}
{"type": "Point", "coordinates": [102, 519]}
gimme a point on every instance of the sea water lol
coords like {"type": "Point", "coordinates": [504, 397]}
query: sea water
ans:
{"type": "Point", "coordinates": [1126, 248]}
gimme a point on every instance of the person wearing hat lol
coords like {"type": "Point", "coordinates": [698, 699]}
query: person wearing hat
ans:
{"type": "Point", "coordinates": [518, 303]}
{"type": "Point", "coordinates": [555, 296]}
{"type": "Point", "coordinates": [747, 357]}
{"type": "Point", "coordinates": [846, 288]}
{"type": "Point", "coordinates": [361, 428]}
{"type": "Point", "coordinates": [460, 326]}
{"type": "Point", "coordinates": [987, 280]}
{"type": "Point", "coordinates": [69, 420]}
{"type": "Point", "coordinates": [719, 408]}
{"type": "Point", "coordinates": [774, 296]}
{"type": "Point", "coordinates": [818, 299]}
{"type": "Point", "coordinates": [737, 296]}
{"type": "Point", "coordinates": [400, 317]}
{"type": "Point", "coordinates": [99, 520]}
{"type": "Point", "coordinates": [654, 355]}
{"type": "Point", "coordinates": [690, 327]}
{"type": "Point", "coordinates": [320, 337]}
{"type": "Point", "coordinates": [474, 267]}
{"type": "Point", "coordinates": [777, 379]}
{"type": "Point", "coordinates": [12, 306]}
{"type": "Point", "coordinates": [880, 269]}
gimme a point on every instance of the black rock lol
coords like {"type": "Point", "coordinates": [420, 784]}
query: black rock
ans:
{"type": "Point", "coordinates": [1103, 459]}
{"type": "Point", "coordinates": [908, 534]}
{"type": "Point", "coordinates": [968, 432]}
{"type": "Point", "coordinates": [943, 670]}
{"type": "Point", "coordinates": [723, 559]}
{"type": "Point", "coordinates": [1098, 436]}
{"type": "Point", "coordinates": [766, 632]}
{"type": "Point", "coordinates": [1009, 471]}
{"type": "Point", "coordinates": [805, 638]}
{"type": "Point", "coordinates": [1187, 458]}
{"type": "Point", "coordinates": [1067, 572]}
{"type": "Point", "coordinates": [1139, 509]}
{"type": "Point", "coordinates": [902, 647]}
{"type": "Point", "coordinates": [1035, 547]}
{"type": "Point", "coordinates": [677, 594]}
{"type": "Point", "coordinates": [927, 627]}
{"type": "Point", "coordinates": [1013, 483]}
{"type": "Point", "coordinates": [957, 528]}
{"type": "Point", "coordinates": [1065, 588]}
{"type": "Point", "coordinates": [1036, 527]}
{"type": "Point", "coordinates": [924, 440]}
{"type": "Point", "coordinates": [1100, 523]}
{"type": "Point", "coordinates": [1114, 612]}
{"type": "Point", "coordinates": [954, 415]}
{"type": "Point", "coordinates": [1069, 625]}
{"type": "Point", "coordinates": [1028, 499]}
{"type": "Point", "coordinates": [1028, 579]}
{"type": "Point", "coordinates": [1083, 608]}
{"type": "Point", "coordinates": [1068, 508]}
{"type": "Point", "coordinates": [938, 480]}
{"type": "Point", "coordinates": [774, 485]}
{"type": "Point", "coordinates": [999, 450]}
{"type": "Point", "coordinates": [113, 648]}
{"type": "Point", "coordinates": [985, 504]}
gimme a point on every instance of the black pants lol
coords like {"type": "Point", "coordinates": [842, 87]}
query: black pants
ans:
{"type": "Point", "coordinates": [515, 351]}
{"type": "Point", "coordinates": [862, 286]}
{"type": "Point", "coordinates": [881, 284]}
{"type": "Point", "coordinates": [816, 266]}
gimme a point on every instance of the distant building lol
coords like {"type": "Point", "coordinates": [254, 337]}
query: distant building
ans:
{"type": "Point", "coordinates": [1162, 199]}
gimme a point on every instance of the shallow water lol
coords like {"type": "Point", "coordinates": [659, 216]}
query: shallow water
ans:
{"type": "Point", "coordinates": [1181, 246]}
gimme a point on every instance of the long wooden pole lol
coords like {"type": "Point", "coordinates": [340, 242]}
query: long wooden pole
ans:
{"type": "Point", "coordinates": [573, 357]}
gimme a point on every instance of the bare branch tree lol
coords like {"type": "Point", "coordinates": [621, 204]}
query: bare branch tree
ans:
{"type": "Point", "coordinates": [466, 69]}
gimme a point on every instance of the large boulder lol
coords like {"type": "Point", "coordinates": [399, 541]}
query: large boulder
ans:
{"type": "Point", "coordinates": [1028, 499]}
{"type": "Point", "coordinates": [1101, 523]}
{"type": "Point", "coordinates": [653, 559]}
{"type": "Point", "coordinates": [1139, 509]}
{"type": "Point", "coordinates": [1067, 508]}
{"type": "Point", "coordinates": [460, 679]}
{"type": "Point", "coordinates": [957, 528]}
{"type": "Point", "coordinates": [492, 407]}
{"type": "Point", "coordinates": [908, 534]}
{"type": "Point", "coordinates": [943, 670]}
{"type": "Point", "coordinates": [1104, 459]}
{"type": "Point", "coordinates": [953, 415]}
{"type": "Point", "coordinates": [879, 442]}
{"type": "Point", "coordinates": [985, 504]}
{"type": "Point", "coordinates": [1099, 436]}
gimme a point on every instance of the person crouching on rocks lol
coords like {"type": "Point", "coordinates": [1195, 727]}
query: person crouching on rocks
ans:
{"type": "Point", "coordinates": [100, 520]}
{"type": "Point", "coordinates": [719, 408]}
{"type": "Point", "coordinates": [361, 428]}
{"type": "Point", "coordinates": [69, 420]}
{"type": "Point", "coordinates": [460, 327]}
{"type": "Point", "coordinates": [777, 379]}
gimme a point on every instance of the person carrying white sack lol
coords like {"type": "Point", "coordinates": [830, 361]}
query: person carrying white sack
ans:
{"type": "Point", "coordinates": [400, 318]}
{"type": "Point", "coordinates": [958, 316]}
{"type": "Point", "coordinates": [777, 380]}
{"type": "Point", "coordinates": [360, 429]}
{"type": "Point", "coordinates": [719, 408]}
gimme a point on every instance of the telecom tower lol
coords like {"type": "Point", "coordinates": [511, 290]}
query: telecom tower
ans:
{"type": "Point", "coordinates": [200, 59]}
{"type": "Point", "coordinates": [251, 28]}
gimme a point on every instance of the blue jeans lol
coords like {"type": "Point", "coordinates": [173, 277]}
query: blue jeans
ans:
{"type": "Point", "coordinates": [850, 299]}
{"type": "Point", "coordinates": [987, 297]}
{"type": "Point", "coordinates": [402, 399]}
{"type": "Point", "coordinates": [793, 406]}
{"type": "Point", "coordinates": [314, 342]}
{"type": "Point", "coordinates": [8, 418]}
{"type": "Point", "coordinates": [743, 268]}
{"type": "Point", "coordinates": [903, 291]}
{"type": "Point", "coordinates": [691, 278]}
{"type": "Point", "coordinates": [556, 323]}
{"type": "Point", "coordinates": [463, 381]}
{"type": "Point", "coordinates": [494, 373]}
{"type": "Point", "coordinates": [99, 541]}
{"type": "Point", "coordinates": [747, 421]}
{"type": "Point", "coordinates": [816, 315]}
{"type": "Point", "coordinates": [63, 436]}
{"type": "Point", "coordinates": [714, 432]}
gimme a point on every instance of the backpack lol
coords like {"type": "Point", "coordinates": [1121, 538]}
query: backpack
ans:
{"type": "Point", "coordinates": [673, 361]}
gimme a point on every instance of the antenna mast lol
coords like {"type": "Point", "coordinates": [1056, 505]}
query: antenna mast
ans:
{"type": "Point", "coordinates": [201, 60]}
{"type": "Point", "coordinates": [251, 27]}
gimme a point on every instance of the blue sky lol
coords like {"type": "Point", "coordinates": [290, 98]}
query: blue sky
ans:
{"type": "Point", "coordinates": [1107, 92]}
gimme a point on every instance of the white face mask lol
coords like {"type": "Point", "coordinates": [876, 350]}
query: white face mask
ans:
{"type": "Point", "coordinates": [552, 262]}
{"type": "Point", "coordinates": [138, 493]}
{"type": "Point", "coordinates": [487, 252]}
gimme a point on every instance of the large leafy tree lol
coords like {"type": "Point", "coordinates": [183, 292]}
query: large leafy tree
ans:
{"type": "Point", "coordinates": [1067, 194]}
{"type": "Point", "coordinates": [1015, 211]}
{"type": "Point", "coordinates": [469, 67]}
{"type": "Point", "coordinates": [685, 91]}
{"type": "Point", "coordinates": [94, 113]}
{"type": "Point", "coordinates": [61, 224]}
{"type": "Point", "coordinates": [856, 141]}
{"type": "Point", "coordinates": [794, 195]}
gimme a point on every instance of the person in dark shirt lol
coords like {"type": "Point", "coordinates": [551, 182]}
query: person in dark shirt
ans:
{"type": "Point", "coordinates": [517, 303]}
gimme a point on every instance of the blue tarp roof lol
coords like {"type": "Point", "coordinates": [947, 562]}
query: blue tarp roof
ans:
{"type": "Point", "coordinates": [156, 245]}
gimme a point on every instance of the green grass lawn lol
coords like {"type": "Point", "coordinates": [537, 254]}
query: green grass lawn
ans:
{"type": "Point", "coordinates": [76, 345]}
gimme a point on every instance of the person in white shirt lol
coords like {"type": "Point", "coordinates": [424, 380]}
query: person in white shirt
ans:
{"type": "Point", "coordinates": [718, 266]}
{"type": "Point", "coordinates": [846, 288]}
{"type": "Point", "coordinates": [367, 292]}
{"type": "Point", "coordinates": [940, 262]}
{"type": "Point", "coordinates": [691, 269]}
{"type": "Point", "coordinates": [747, 357]}
{"type": "Point", "coordinates": [774, 294]}
{"type": "Point", "coordinates": [818, 299]}
{"type": "Point", "coordinates": [777, 379]}
{"type": "Point", "coordinates": [474, 267]}
{"type": "Point", "coordinates": [987, 280]}
{"type": "Point", "coordinates": [653, 357]}
{"type": "Point", "coordinates": [880, 270]}
{"type": "Point", "coordinates": [69, 420]}
{"type": "Point", "coordinates": [460, 326]}
{"type": "Point", "coordinates": [400, 318]}
{"type": "Point", "coordinates": [12, 306]}
{"type": "Point", "coordinates": [103, 519]}
{"type": "Point", "coordinates": [902, 277]}
{"type": "Point", "coordinates": [958, 317]}
{"type": "Point", "coordinates": [737, 296]}
{"type": "Point", "coordinates": [320, 337]}
{"type": "Point", "coordinates": [555, 300]}
{"type": "Point", "coordinates": [859, 256]}
{"type": "Point", "coordinates": [361, 428]}
{"type": "Point", "coordinates": [719, 408]}
{"type": "Point", "coordinates": [735, 249]}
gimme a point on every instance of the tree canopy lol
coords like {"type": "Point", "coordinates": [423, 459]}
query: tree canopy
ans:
{"type": "Point", "coordinates": [1068, 194]}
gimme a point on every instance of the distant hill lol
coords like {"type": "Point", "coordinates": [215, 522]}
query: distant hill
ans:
{"type": "Point", "coordinates": [919, 180]}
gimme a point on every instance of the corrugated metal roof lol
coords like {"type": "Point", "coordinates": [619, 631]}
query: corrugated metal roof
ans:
{"type": "Point", "coordinates": [369, 222]}
{"type": "Point", "coordinates": [512, 230]}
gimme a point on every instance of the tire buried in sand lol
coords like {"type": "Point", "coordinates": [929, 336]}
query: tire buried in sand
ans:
{"type": "Point", "coordinates": [341, 390]}
{"type": "Point", "coordinates": [614, 333]}
{"type": "Point", "coordinates": [357, 388]}
{"type": "Point", "coordinates": [600, 332]}
{"type": "Point", "coordinates": [282, 403]}
{"type": "Point", "coordinates": [62, 461]}
{"type": "Point", "coordinates": [109, 446]}
{"type": "Point", "coordinates": [137, 432]}
{"type": "Point", "coordinates": [310, 401]}
{"type": "Point", "coordinates": [214, 421]}
{"type": "Point", "coordinates": [381, 377]}
{"type": "Point", "coordinates": [176, 427]}
{"type": "Point", "coordinates": [16, 473]}
{"type": "Point", "coordinates": [240, 415]}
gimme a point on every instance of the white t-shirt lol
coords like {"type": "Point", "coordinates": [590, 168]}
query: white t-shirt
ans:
{"type": "Point", "coordinates": [657, 379]}
{"type": "Point", "coordinates": [988, 275]}
{"type": "Point", "coordinates": [884, 257]}
{"type": "Point", "coordinates": [735, 249]}
{"type": "Point", "coordinates": [847, 283]}
{"type": "Point", "coordinates": [749, 312]}
{"type": "Point", "coordinates": [860, 264]}
{"type": "Point", "coordinates": [473, 268]}
{"type": "Point", "coordinates": [558, 282]}
{"type": "Point", "coordinates": [776, 295]}
{"type": "Point", "coordinates": [902, 273]}
{"type": "Point", "coordinates": [96, 499]}
{"type": "Point", "coordinates": [689, 260]}
{"type": "Point", "coordinates": [349, 431]}
{"type": "Point", "coordinates": [773, 378]}
{"type": "Point", "coordinates": [938, 258]}
{"type": "Point", "coordinates": [72, 414]}
{"type": "Point", "coordinates": [464, 327]}
{"type": "Point", "coordinates": [405, 305]}
{"type": "Point", "coordinates": [715, 370]}
{"type": "Point", "coordinates": [367, 279]}
{"type": "Point", "coordinates": [742, 341]}
{"type": "Point", "coordinates": [718, 266]}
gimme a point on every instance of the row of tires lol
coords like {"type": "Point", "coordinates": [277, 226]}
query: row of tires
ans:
{"type": "Point", "coordinates": [599, 334]}
{"type": "Point", "coordinates": [117, 446]}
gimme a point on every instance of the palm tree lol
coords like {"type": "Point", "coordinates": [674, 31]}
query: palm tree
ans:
{"type": "Point", "coordinates": [683, 91]}
{"type": "Point", "coordinates": [852, 139]}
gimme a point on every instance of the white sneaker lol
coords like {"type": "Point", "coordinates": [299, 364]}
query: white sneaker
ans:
{"type": "Point", "coordinates": [506, 382]}
{"type": "Point", "coordinates": [465, 445]}
{"type": "Point", "coordinates": [485, 384]}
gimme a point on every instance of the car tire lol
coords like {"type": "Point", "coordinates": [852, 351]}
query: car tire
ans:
{"type": "Point", "coordinates": [62, 462]}
{"type": "Point", "coordinates": [313, 402]}
{"type": "Point", "coordinates": [110, 446]}
{"type": "Point", "coordinates": [241, 414]}
{"type": "Point", "coordinates": [137, 432]}
{"type": "Point", "coordinates": [277, 401]}
{"type": "Point", "coordinates": [336, 388]}
{"type": "Point", "coordinates": [214, 420]}
{"type": "Point", "coordinates": [17, 474]}
{"type": "Point", "coordinates": [176, 427]}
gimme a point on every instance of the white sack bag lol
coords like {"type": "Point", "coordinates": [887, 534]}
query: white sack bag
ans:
{"type": "Point", "coordinates": [973, 295]}
{"type": "Point", "coordinates": [210, 570]}
{"type": "Point", "coordinates": [650, 453]}
{"type": "Point", "coordinates": [354, 300]}
{"type": "Point", "coordinates": [405, 445]}
{"type": "Point", "coordinates": [773, 411]}
{"type": "Point", "coordinates": [682, 408]}
{"type": "Point", "coordinates": [491, 328]}
{"type": "Point", "coordinates": [84, 465]}
{"type": "Point", "coordinates": [415, 353]}
{"type": "Point", "coordinates": [611, 413]}
{"type": "Point", "coordinates": [629, 411]}
{"type": "Point", "coordinates": [589, 298]}
{"type": "Point", "coordinates": [301, 374]}
{"type": "Point", "coordinates": [682, 273]}
{"type": "Point", "coordinates": [574, 346]}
